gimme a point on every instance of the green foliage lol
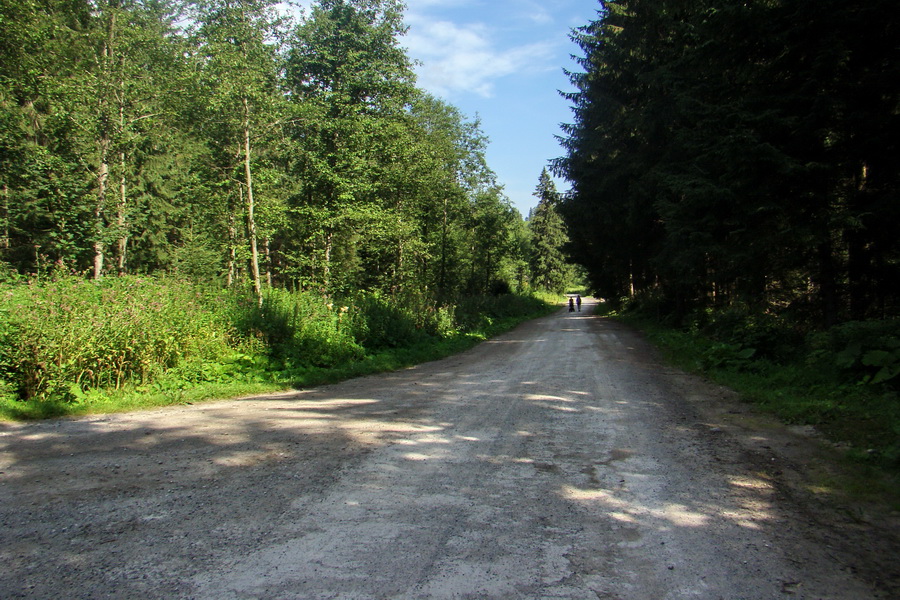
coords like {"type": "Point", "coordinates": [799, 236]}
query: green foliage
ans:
{"type": "Point", "coordinates": [199, 140]}
{"type": "Point", "coordinates": [223, 140]}
{"type": "Point", "coordinates": [477, 313]}
{"type": "Point", "coordinates": [197, 259]}
{"type": "Point", "coordinates": [820, 383]}
{"type": "Point", "coordinates": [722, 155]}
{"type": "Point", "coordinates": [752, 334]}
{"type": "Point", "coordinates": [378, 323]}
{"type": "Point", "coordinates": [300, 329]}
{"type": "Point", "coordinates": [863, 351]}
{"type": "Point", "coordinates": [720, 355]}
{"type": "Point", "coordinates": [62, 337]}
{"type": "Point", "coordinates": [68, 345]}
{"type": "Point", "coordinates": [549, 264]}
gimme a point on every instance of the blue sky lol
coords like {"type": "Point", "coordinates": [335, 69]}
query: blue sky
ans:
{"type": "Point", "coordinates": [502, 60]}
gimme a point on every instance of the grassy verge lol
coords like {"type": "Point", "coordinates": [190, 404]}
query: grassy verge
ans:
{"type": "Point", "coordinates": [860, 419]}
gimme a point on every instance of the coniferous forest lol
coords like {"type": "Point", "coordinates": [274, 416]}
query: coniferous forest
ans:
{"type": "Point", "coordinates": [732, 154]}
{"type": "Point", "coordinates": [735, 171]}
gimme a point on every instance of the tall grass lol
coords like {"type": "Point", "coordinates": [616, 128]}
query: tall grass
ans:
{"type": "Point", "coordinates": [60, 338]}
{"type": "Point", "coordinates": [299, 329]}
{"type": "Point", "coordinates": [70, 345]}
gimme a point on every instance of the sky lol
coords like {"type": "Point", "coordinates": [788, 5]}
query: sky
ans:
{"type": "Point", "coordinates": [502, 61]}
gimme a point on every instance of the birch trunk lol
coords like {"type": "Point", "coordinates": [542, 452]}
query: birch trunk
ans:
{"type": "Point", "coordinates": [251, 219]}
{"type": "Point", "coordinates": [102, 180]}
{"type": "Point", "coordinates": [232, 247]}
{"type": "Point", "coordinates": [121, 204]}
{"type": "Point", "coordinates": [4, 217]}
{"type": "Point", "coordinates": [103, 144]}
{"type": "Point", "coordinates": [267, 247]}
{"type": "Point", "coordinates": [120, 219]}
{"type": "Point", "coordinates": [326, 269]}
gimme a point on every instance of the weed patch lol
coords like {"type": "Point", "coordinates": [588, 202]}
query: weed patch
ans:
{"type": "Point", "coordinates": [71, 346]}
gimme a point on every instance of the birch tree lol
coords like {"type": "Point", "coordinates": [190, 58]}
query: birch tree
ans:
{"type": "Point", "coordinates": [238, 43]}
{"type": "Point", "coordinates": [354, 84]}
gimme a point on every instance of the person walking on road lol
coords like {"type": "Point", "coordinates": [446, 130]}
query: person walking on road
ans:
{"type": "Point", "coordinates": [571, 304]}
{"type": "Point", "coordinates": [578, 302]}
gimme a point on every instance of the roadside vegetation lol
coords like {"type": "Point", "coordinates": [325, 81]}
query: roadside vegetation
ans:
{"type": "Point", "coordinates": [843, 381]}
{"type": "Point", "coordinates": [212, 198]}
{"type": "Point", "coordinates": [72, 346]}
{"type": "Point", "coordinates": [750, 227]}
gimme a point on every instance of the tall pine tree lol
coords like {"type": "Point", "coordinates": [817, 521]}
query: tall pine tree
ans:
{"type": "Point", "coordinates": [550, 270]}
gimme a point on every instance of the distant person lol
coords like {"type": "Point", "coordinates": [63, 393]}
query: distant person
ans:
{"type": "Point", "coordinates": [578, 302]}
{"type": "Point", "coordinates": [571, 305]}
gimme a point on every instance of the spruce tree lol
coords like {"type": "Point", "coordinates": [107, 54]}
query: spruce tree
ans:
{"type": "Point", "coordinates": [549, 268]}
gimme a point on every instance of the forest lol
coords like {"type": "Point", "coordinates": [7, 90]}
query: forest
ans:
{"type": "Point", "coordinates": [275, 174]}
{"type": "Point", "coordinates": [731, 154]}
{"type": "Point", "coordinates": [222, 140]}
{"type": "Point", "coordinates": [735, 173]}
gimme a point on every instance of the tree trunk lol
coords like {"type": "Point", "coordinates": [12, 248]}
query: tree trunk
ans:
{"type": "Point", "coordinates": [251, 219]}
{"type": "Point", "coordinates": [120, 219]}
{"type": "Point", "coordinates": [398, 274]}
{"type": "Point", "coordinates": [267, 247]}
{"type": "Point", "coordinates": [860, 253]}
{"type": "Point", "coordinates": [232, 248]}
{"type": "Point", "coordinates": [442, 273]}
{"type": "Point", "coordinates": [398, 264]}
{"type": "Point", "coordinates": [631, 286]}
{"type": "Point", "coordinates": [4, 219]}
{"type": "Point", "coordinates": [827, 283]}
{"type": "Point", "coordinates": [102, 180]}
{"type": "Point", "coordinates": [103, 143]}
{"type": "Point", "coordinates": [326, 269]}
{"type": "Point", "coordinates": [122, 242]}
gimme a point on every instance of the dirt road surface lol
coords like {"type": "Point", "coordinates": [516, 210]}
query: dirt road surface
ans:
{"type": "Point", "coordinates": [558, 461]}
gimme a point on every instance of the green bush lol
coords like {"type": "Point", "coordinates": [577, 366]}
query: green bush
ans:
{"type": "Point", "coordinates": [720, 355]}
{"type": "Point", "coordinates": [61, 337]}
{"type": "Point", "coordinates": [379, 322]}
{"type": "Point", "coordinates": [747, 334]}
{"type": "Point", "coordinates": [817, 387]}
{"type": "Point", "coordinates": [440, 321]}
{"type": "Point", "coordinates": [300, 328]}
{"type": "Point", "coordinates": [69, 342]}
{"type": "Point", "coordinates": [477, 313]}
{"type": "Point", "coordinates": [864, 351]}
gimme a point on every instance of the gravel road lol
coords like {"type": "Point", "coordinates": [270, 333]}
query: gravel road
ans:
{"type": "Point", "coordinates": [558, 461]}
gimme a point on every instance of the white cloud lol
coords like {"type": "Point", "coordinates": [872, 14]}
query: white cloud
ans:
{"type": "Point", "coordinates": [538, 14]}
{"type": "Point", "coordinates": [467, 58]}
{"type": "Point", "coordinates": [464, 58]}
{"type": "Point", "coordinates": [416, 4]}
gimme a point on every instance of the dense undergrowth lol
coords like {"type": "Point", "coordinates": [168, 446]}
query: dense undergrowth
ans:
{"type": "Point", "coordinates": [71, 346]}
{"type": "Point", "coordinates": [844, 381]}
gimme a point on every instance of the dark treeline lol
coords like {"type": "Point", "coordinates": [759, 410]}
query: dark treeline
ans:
{"type": "Point", "coordinates": [731, 154]}
{"type": "Point", "coordinates": [220, 140]}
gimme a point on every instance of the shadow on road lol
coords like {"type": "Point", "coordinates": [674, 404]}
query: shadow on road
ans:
{"type": "Point", "coordinates": [558, 456]}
